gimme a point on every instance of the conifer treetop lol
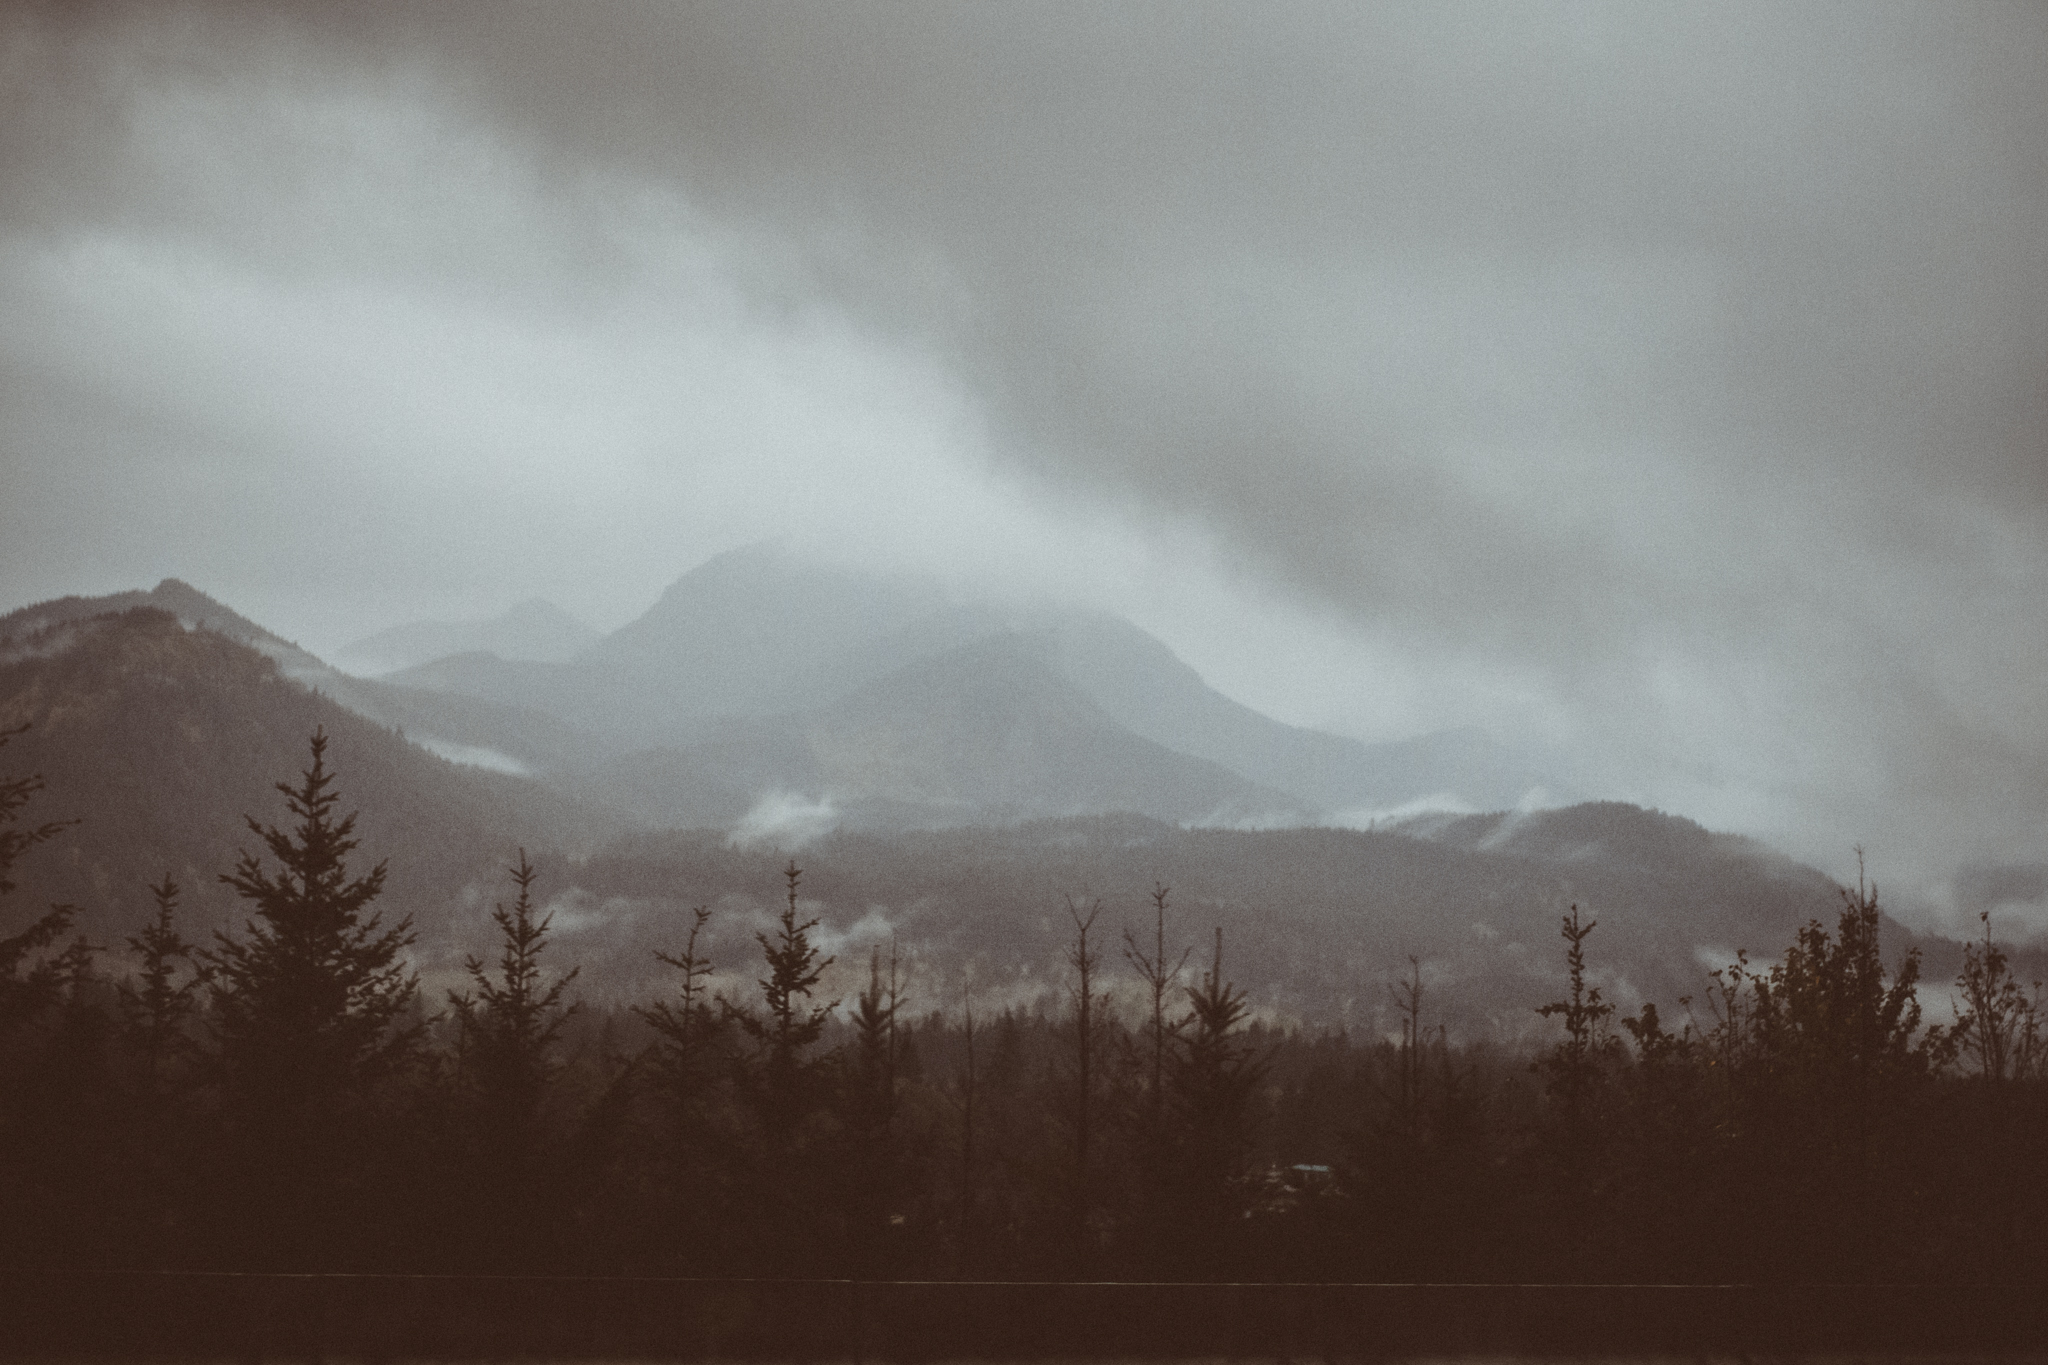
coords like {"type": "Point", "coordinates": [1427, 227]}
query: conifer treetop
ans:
{"type": "Point", "coordinates": [308, 1003]}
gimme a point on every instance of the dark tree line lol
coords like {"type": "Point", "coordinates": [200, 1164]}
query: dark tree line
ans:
{"type": "Point", "coordinates": [284, 1098]}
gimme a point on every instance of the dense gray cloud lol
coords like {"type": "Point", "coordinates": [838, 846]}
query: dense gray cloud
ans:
{"type": "Point", "coordinates": [1670, 383]}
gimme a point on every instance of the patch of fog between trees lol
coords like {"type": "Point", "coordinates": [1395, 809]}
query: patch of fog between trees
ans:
{"type": "Point", "coordinates": [790, 821]}
{"type": "Point", "coordinates": [785, 820]}
{"type": "Point", "coordinates": [1424, 816]}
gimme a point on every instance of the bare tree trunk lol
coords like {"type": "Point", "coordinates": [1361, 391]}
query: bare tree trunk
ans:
{"type": "Point", "coordinates": [1082, 958]}
{"type": "Point", "coordinates": [1160, 978]}
{"type": "Point", "coordinates": [1408, 1091]}
{"type": "Point", "coordinates": [967, 1172]}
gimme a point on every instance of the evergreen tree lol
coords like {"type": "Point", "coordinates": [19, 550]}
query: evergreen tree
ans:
{"type": "Point", "coordinates": [63, 1124]}
{"type": "Point", "coordinates": [1575, 1070]}
{"type": "Point", "coordinates": [310, 1006]}
{"type": "Point", "coordinates": [157, 1008]}
{"type": "Point", "coordinates": [871, 1085]}
{"type": "Point", "coordinates": [787, 1190]}
{"type": "Point", "coordinates": [791, 1025]}
{"type": "Point", "coordinates": [1082, 1083]}
{"type": "Point", "coordinates": [510, 1023]}
{"type": "Point", "coordinates": [873, 1180]}
{"type": "Point", "coordinates": [56, 1128]}
{"type": "Point", "coordinates": [1576, 1074]}
{"type": "Point", "coordinates": [313, 1010]}
{"type": "Point", "coordinates": [29, 983]}
{"type": "Point", "coordinates": [966, 1217]}
{"type": "Point", "coordinates": [687, 1027]}
{"type": "Point", "coordinates": [691, 1150]}
{"type": "Point", "coordinates": [1413, 1180]}
{"type": "Point", "coordinates": [1214, 1076]}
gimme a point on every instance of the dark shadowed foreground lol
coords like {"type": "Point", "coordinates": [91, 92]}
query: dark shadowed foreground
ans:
{"type": "Point", "coordinates": [268, 1144]}
{"type": "Point", "coordinates": [456, 1317]}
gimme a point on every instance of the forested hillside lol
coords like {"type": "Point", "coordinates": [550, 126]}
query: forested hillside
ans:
{"type": "Point", "coordinates": [1323, 920]}
{"type": "Point", "coordinates": [160, 740]}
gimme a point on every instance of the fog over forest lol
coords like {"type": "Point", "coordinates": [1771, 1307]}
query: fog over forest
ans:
{"type": "Point", "coordinates": [1665, 389]}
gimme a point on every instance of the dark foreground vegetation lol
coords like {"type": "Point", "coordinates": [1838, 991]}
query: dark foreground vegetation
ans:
{"type": "Point", "coordinates": [195, 1316]}
{"type": "Point", "coordinates": [282, 1098]}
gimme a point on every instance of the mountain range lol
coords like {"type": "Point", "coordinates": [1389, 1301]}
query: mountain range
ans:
{"type": "Point", "coordinates": [535, 630]}
{"type": "Point", "coordinates": [950, 771]}
{"type": "Point", "coordinates": [761, 670]}
{"type": "Point", "coordinates": [872, 701]}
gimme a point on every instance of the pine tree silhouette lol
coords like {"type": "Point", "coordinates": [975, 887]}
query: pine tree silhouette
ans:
{"type": "Point", "coordinates": [314, 1013]}
{"type": "Point", "coordinates": [28, 983]}
{"type": "Point", "coordinates": [1214, 1075]}
{"type": "Point", "coordinates": [1082, 1082]}
{"type": "Point", "coordinates": [310, 1007]}
{"type": "Point", "coordinates": [1576, 1074]}
{"type": "Point", "coordinates": [157, 1008]}
{"type": "Point", "coordinates": [1573, 1070]}
{"type": "Point", "coordinates": [688, 1027]}
{"type": "Point", "coordinates": [792, 1025]}
{"type": "Point", "coordinates": [510, 1022]}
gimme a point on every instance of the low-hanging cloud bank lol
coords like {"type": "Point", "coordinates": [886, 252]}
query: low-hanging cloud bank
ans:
{"type": "Point", "coordinates": [1667, 384]}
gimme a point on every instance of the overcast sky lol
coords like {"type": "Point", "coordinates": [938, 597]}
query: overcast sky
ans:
{"type": "Point", "coordinates": [1669, 383]}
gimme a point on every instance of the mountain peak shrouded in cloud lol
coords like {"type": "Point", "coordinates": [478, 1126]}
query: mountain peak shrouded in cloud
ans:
{"type": "Point", "coordinates": [767, 670]}
{"type": "Point", "coordinates": [1662, 385]}
{"type": "Point", "coordinates": [535, 630]}
{"type": "Point", "coordinates": [750, 630]}
{"type": "Point", "coordinates": [994, 725]}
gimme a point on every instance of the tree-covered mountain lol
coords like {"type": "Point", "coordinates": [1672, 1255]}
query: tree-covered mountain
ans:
{"type": "Point", "coordinates": [180, 599]}
{"type": "Point", "coordinates": [158, 740]}
{"type": "Point", "coordinates": [450, 723]}
{"type": "Point", "coordinates": [1318, 924]}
